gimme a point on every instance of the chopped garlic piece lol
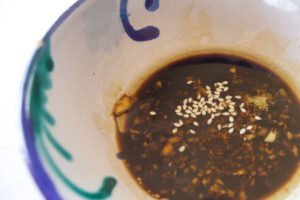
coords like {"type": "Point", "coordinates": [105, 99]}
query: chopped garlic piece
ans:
{"type": "Point", "coordinates": [271, 137]}
{"type": "Point", "coordinates": [123, 105]}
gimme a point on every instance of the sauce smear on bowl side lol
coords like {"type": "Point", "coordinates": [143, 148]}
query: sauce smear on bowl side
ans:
{"type": "Point", "coordinates": [212, 127]}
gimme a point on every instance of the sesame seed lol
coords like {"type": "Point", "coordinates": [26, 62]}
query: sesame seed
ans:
{"type": "Point", "coordinates": [225, 114]}
{"type": "Point", "coordinates": [188, 111]}
{"type": "Point", "coordinates": [175, 130]}
{"type": "Point", "coordinates": [242, 131]}
{"type": "Point", "coordinates": [243, 109]}
{"type": "Point", "coordinates": [231, 106]}
{"type": "Point", "coordinates": [258, 118]}
{"type": "Point", "coordinates": [179, 113]}
{"type": "Point", "coordinates": [221, 108]}
{"type": "Point", "coordinates": [189, 82]}
{"type": "Point", "coordinates": [228, 101]}
{"type": "Point", "coordinates": [177, 124]}
{"type": "Point", "coordinates": [195, 123]}
{"type": "Point", "coordinates": [231, 110]}
{"type": "Point", "coordinates": [216, 96]}
{"type": "Point", "coordinates": [209, 111]}
{"type": "Point", "coordinates": [152, 113]}
{"type": "Point", "coordinates": [212, 105]}
{"type": "Point", "coordinates": [181, 149]}
{"type": "Point", "coordinates": [209, 121]}
{"type": "Point", "coordinates": [232, 103]}
{"type": "Point", "coordinates": [217, 114]}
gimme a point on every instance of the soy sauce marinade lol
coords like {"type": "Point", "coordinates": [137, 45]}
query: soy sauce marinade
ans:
{"type": "Point", "coordinates": [214, 127]}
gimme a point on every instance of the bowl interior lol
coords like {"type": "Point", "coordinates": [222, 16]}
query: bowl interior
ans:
{"type": "Point", "coordinates": [105, 49]}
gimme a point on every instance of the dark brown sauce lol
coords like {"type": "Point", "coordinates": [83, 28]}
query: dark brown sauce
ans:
{"type": "Point", "coordinates": [204, 153]}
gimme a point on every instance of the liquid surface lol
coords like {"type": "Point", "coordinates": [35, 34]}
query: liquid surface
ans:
{"type": "Point", "coordinates": [210, 128]}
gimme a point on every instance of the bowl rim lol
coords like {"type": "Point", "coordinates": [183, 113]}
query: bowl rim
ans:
{"type": "Point", "coordinates": [33, 161]}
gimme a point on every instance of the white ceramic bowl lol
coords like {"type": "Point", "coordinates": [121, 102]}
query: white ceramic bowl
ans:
{"type": "Point", "coordinates": [99, 50]}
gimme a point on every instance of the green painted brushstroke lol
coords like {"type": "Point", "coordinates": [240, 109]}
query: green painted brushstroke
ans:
{"type": "Point", "coordinates": [41, 119]}
{"type": "Point", "coordinates": [57, 146]}
{"type": "Point", "coordinates": [104, 192]}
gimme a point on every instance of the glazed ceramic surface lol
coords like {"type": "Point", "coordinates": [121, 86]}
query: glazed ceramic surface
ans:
{"type": "Point", "coordinates": [100, 50]}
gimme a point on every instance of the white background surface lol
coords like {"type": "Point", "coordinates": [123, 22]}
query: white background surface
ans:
{"type": "Point", "coordinates": [22, 24]}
